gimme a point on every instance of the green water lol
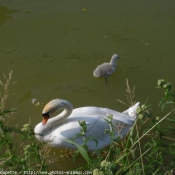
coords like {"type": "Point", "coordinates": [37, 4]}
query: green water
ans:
{"type": "Point", "coordinates": [54, 46]}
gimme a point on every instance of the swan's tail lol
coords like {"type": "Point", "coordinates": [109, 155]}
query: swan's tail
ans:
{"type": "Point", "coordinates": [132, 111]}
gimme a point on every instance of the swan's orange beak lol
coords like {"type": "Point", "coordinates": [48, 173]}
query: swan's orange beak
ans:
{"type": "Point", "coordinates": [45, 119]}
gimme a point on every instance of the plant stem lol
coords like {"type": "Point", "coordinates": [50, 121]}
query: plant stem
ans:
{"type": "Point", "coordinates": [153, 127]}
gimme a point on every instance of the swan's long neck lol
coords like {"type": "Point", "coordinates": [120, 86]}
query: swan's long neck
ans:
{"type": "Point", "coordinates": [52, 107]}
{"type": "Point", "coordinates": [60, 117]}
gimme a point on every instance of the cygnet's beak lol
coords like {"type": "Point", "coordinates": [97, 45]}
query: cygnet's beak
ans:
{"type": "Point", "coordinates": [45, 118]}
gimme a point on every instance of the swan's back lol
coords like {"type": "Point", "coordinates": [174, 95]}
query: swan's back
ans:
{"type": "Point", "coordinates": [97, 112]}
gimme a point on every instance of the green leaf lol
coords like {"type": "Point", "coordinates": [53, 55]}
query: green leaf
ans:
{"type": "Point", "coordinates": [82, 151]}
{"type": "Point", "coordinates": [160, 82]}
{"type": "Point", "coordinates": [132, 153]}
{"type": "Point", "coordinates": [140, 116]}
{"type": "Point", "coordinates": [91, 138]}
{"type": "Point", "coordinates": [170, 120]}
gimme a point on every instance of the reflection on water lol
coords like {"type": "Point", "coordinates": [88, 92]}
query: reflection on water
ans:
{"type": "Point", "coordinates": [54, 46]}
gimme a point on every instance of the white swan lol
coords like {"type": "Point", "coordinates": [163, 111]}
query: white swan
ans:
{"type": "Point", "coordinates": [65, 125]}
{"type": "Point", "coordinates": [106, 69]}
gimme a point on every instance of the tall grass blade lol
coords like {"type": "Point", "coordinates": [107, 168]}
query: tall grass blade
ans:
{"type": "Point", "coordinates": [82, 151]}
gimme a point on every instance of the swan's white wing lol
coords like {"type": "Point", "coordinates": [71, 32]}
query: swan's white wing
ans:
{"type": "Point", "coordinates": [103, 112]}
{"type": "Point", "coordinates": [96, 127]}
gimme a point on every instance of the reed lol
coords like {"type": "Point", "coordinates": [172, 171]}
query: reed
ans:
{"type": "Point", "coordinates": [24, 154]}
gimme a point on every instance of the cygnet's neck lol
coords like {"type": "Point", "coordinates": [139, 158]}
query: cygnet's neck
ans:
{"type": "Point", "coordinates": [113, 62]}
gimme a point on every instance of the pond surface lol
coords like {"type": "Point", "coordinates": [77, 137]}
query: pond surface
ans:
{"type": "Point", "coordinates": [54, 46]}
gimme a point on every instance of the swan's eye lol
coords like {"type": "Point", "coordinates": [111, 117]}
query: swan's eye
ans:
{"type": "Point", "coordinates": [46, 114]}
{"type": "Point", "coordinates": [45, 118]}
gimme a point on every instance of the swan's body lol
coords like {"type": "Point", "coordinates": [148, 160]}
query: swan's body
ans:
{"type": "Point", "coordinates": [66, 125]}
{"type": "Point", "coordinates": [106, 69]}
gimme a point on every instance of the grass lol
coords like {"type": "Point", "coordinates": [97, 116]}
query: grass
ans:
{"type": "Point", "coordinates": [24, 154]}
{"type": "Point", "coordinates": [145, 150]}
